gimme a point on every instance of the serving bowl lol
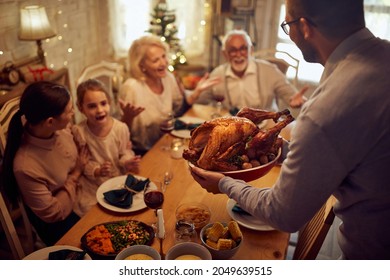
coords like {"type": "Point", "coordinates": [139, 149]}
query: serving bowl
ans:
{"type": "Point", "coordinates": [221, 254]}
{"type": "Point", "coordinates": [253, 173]}
{"type": "Point", "coordinates": [188, 251]}
{"type": "Point", "coordinates": [138, 252]}
{"type": "Point", "coordinates": [195, 212]}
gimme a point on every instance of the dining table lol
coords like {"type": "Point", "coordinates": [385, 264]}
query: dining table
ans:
{"type": "Point", "coordinates": [257, 244]}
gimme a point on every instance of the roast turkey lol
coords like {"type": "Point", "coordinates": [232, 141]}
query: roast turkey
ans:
{"type": "Point", "coordinates": [222, 143]}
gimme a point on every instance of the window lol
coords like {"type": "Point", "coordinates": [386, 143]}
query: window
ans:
{"type": "Point", "coordinates": [377, 14]}
{"type": "Point", "coordinates": [131, 18]}
{"type": "Point", "coordinates": [308, 72]}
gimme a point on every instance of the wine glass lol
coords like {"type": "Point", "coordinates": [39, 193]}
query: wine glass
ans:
{"type": "Point", "coordinates": [154, 197]}
{"type": "Point", "coordinates": [219, 98]}
{"type": "Point", "coordinates": [167, 124]}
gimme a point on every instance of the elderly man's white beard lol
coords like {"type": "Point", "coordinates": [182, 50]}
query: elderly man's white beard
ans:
{"type": "Point", "coordinates": [239, 67]}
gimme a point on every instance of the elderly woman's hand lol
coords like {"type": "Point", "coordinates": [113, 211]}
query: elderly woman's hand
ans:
{"type": "Point", "coordinates": [207, 179]}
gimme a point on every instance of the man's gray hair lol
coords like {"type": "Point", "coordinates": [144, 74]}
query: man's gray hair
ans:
{"type": "Point", "coordinates": [236, 32]}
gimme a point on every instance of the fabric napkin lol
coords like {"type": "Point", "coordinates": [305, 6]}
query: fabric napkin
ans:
{"type": "Point", "coordinates": [67, 254]}
{"type": "Point", "coordinates": [180, 125]}
{"type": "Point", "coordinates": [123, 198]}
{"type": "Point", "coordinates": [233, 111]}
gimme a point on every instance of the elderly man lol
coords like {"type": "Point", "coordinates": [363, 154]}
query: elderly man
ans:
{"type": "Point", "coordinates": [246, 81]}
{"type": "Point", "coordinates": [341, 141]}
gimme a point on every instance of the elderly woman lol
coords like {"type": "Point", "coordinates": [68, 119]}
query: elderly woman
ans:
{"type": "Point", "coordinates": [152, 92]}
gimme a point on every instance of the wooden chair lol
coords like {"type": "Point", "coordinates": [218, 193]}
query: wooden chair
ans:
{"type": "Point", "coordinates": [312, 235]}
{"type": "Point", "coordinates": [110, 73]}
{"type": "Point", "coordinates": [7, 111]}
{"type": "Point", "coordinates": [11, 213]}
{"type": "Point", "coordinates": [285, 61]}
{"type": "Point", "coordinates": [10, 231]}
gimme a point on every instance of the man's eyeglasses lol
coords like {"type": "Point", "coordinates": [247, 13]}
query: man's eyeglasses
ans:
{"type": "Point", "coordinates": [242, 50]}
{"type": "Point", "coordinates": [286, 25]}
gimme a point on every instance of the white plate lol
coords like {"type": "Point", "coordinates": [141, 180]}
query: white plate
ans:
{"type": "Point", "coordinates": [117, 183]}
{"type": "Point", "coordinates": [43, 254]}
{"type": "Point", "coordinates": [185, 133]}
{"type": "Point", "coordinates": [247, 221]}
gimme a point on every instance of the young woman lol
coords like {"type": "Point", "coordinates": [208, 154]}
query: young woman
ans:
{"type": "Point", "coordinates": [41, 160]}
{"type": "Point", "coordinates": [108, 141]}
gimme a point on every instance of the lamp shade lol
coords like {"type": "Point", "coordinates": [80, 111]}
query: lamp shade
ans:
{"type": "Point", "coordinates": [34, 24]}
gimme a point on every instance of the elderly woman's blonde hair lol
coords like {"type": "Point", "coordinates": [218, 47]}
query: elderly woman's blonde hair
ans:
{"type": "Point", "coordinates": [137, 53]}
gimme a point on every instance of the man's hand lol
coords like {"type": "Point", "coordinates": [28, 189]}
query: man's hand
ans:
{"type": "Point", "coordinates": [207, 179]}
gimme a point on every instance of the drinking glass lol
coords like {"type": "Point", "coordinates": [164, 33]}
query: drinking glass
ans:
{"type": "Point", "coordinates": [168, 176]}
{"type": "Point", "coordinates": [167, 124]}
{"type": "Point", "coordinates": [154, 197]}
{"type": "Point", "coordinates": [219, 98]}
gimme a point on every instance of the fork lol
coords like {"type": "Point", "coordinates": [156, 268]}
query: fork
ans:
{"type": "Point", "coordinates": [167, 178]}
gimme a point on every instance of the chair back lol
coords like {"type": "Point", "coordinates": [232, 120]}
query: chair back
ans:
{"type": "Point", "coordinates": [6, 112]}
{"type": "Point", "coordinates": [312, 235]}
{"type": "Point", "coordinates": [10, 213]}
{"type": "Point", "coordinates": [109, 73]}
{"type": "Point", "coordinates": [285, 61]}
{"type": "Point", "coordinates": [7, 218]}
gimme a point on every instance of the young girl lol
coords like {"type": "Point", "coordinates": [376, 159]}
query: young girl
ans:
{"type": "Point", "coordinates": [108, 141]}
{"type": "Point", "coordinates": [41, 160]}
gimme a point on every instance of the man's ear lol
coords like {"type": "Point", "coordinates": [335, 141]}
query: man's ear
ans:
{"type": "Point", "coordinates": [306, 28]}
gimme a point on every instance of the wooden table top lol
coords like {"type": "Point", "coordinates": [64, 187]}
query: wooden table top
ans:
{"type": "Point", "coordinates": [259, 245]}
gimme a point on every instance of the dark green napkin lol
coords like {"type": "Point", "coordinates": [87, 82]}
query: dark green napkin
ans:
{"type": "Point", "coordinates": [236, 208]}
{"type": "Point", "coordinates": [135, 184]}
{"type": "Point", "coordinates": [123, 198]}
{"type": "Point", "coordinates": [180, 125]}
{"type": "Point", "coordinates": [67, 254]}
{"type": "Point", "coordinates": [233, 111]}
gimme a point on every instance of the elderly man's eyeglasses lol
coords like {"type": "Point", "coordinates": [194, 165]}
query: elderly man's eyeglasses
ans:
{"type": "Point", "coordinates": [242, 50]}
{"type": "Point", "coordinates": [286, 25]}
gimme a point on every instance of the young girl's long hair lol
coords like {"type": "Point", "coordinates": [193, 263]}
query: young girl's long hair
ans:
{"type": "Point", "coordinates": [39, 101]}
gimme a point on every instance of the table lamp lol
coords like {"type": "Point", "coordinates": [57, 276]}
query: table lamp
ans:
{"type": "Point", "coordinates": [35, 26]}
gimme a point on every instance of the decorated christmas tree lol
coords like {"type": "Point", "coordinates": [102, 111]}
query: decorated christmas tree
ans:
{"type": "Point", "coordinates": [163, 25]}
